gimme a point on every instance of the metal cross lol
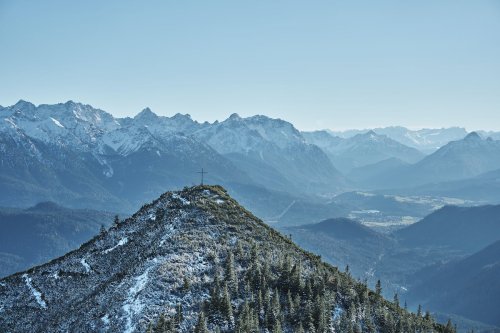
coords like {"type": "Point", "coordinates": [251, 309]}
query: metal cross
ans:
{"type": "Point", "coordinates": [202, 172]}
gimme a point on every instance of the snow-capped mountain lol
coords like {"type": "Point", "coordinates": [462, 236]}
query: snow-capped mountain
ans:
{"type": "Point", "coordinates": [426, 140]}
{"type": "Point", "coordinates": [273, 152]}
{"type": "Point", "coordinates": [361, 149]}
{"type": "Point", "coordinates": [69, 152]}
{"type": "Point", "coordinates": [80, 156]}
{"type": "Point", "coordinates": [194, 259]}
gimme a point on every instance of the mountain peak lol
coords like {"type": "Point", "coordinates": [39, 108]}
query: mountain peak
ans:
{"type": "Point", "coordinates": [46, 206]}
{"type": "Point", "coordinates": [167, 258]}
{"type": "Point", "coordinates": [234, 116]}
{"type": "Point", "coordinates": [472, 136]}
{"type": "Point", "coordinates": [146, 113]}
{"type": "Point", "coordinates": [23, 104]}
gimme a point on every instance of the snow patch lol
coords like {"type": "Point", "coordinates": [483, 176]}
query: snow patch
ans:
{"type": "Point", "coordinates": [183, 200]}
{"type": "Point", "coordinates": [337, 312]}
{"type": "Point", "coordinates": [57, 122]}
{"type": "Point", "coordinates": [219, 201]}
{"type": "Point", "coordinates": [11, 122]}
{"type": "Point", "coordinates": [122, 241]}
{"type": "Point", "coordinates": [105, 319]}
{"type": "Point", "coordinates": [133, 304]}
{"type": "Point", "coordinates": [85, 265]}
{"type": "Point", "coordinates": [36, 293]}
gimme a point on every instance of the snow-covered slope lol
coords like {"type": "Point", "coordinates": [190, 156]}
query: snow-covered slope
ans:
{"type": "Point", "coordinates": [79, 156]}
{"type": "Point", "coordinates": [183, 254]}
{"type": "Point", "coordinates": [270, 147]}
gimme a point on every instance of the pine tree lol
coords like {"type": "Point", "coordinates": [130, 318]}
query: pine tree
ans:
{"type": "Point", "coordinates": [230, 274]}
{"type": "Point", "coordinates": [102, 230]}
{"type": "Point", "coordinates": [179, 316]}
{"type": "Point", "coordinates": [201, 325]}
{"type": "Point", "coordinates": [396, 299]}
{"type": "Point", "coordinates": [227, 308]}
{"type": "Point", "coordinates": [277, 327]}
{"type": "Point", "coordinates": [116, 221]}
{"type": "Point", "coordinates": [185, 284]}
{"type": "Point", "coordinates": [378, 288]}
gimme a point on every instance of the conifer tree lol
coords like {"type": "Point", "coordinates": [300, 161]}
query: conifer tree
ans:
{"type": "Point", "coordinates": [227, 309]}
{"type": "Point", "coordinates": [230, 275]}
{"type": "Point", "coordinates": [378, 288]}
{"type": "Point", "coordinates": [201, 325]}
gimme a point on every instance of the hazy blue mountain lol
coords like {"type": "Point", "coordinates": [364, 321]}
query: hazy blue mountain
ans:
{"type": "Point", "coordinates": [464, 229]}
{"type": "Point", "coordinates": [426, 140]}
{"type": "Point", "coordinates": [362, 149]}
{"type": "Point", "coordinates": [483, 188]}
{"type": "Point", "coordinates": [343, 242]}
{"type": "Point", "coordinates": [32, 236]}
{"type": "Point", "coordinates": [469, 287]}
{"type": "Point", "coordinates": [368, 176]}
{"type": "Point", "coordinates": [457, 160]}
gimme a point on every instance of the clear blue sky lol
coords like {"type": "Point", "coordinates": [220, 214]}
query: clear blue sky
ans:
{"type": "Point", "coordinates": [319, 64]}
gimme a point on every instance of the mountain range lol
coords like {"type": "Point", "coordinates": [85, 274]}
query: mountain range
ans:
{"type": "Point", "coordinates": [362, 149]}
{"type": "Point", "coordinates": [77, 155]}
{"type": "Point", "coordinates": [457, 160]}
{"type": "Point", "coordinates": [426, 140]}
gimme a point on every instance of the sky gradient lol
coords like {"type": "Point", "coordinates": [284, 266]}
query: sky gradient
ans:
{"type": "Point", "coordinates": [319, 64]}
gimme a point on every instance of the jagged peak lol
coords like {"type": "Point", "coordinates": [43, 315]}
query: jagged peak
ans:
{"type": "Point", "coordinates": [146, 113]}
{"type": "Point", "coordinates": [180, 116]}
{"type": "Point", "coordinates": [23, 104]}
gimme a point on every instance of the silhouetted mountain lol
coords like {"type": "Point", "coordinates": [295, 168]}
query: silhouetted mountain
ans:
{"type": "Point", "coordinates": [366, 175]}
{"type": "Point", "coordinates": [43, 232]}
{"type": "Point", "coordinates": [483, 188]}
{"type": "Point", "coordinates": [465, 229]}
{"type": "Point", "coordinates": [469, 287]}
{"type": "Point", "coordinates": [343, 242]}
